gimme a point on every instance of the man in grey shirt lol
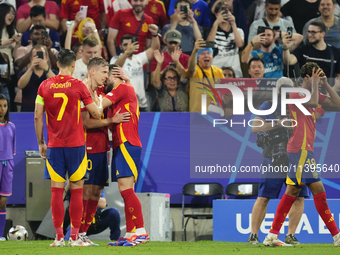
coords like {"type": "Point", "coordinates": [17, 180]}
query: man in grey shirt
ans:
{"type": "Point", "coordinates": [272, 19]}
{"type": "Point", "coordinates": [331, 22]}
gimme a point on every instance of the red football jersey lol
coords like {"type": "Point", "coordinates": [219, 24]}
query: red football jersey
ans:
{"type": "Point", "coordinates": [304, 132]}
{"type": "Point", "coordinates": [69, 9]}
{"type": "Point", "coordinates": [126, 22]}
{"type": "Point", "coordinates": [62, 98]}
{"type": "Point", "coordinates": [124, 97]}
{"type": "Point", "coordinates": [183, 59]}
{"type": "Point", "coordinates": [156, 10]}
{"type": "Point", "coordinates": [97, 139]}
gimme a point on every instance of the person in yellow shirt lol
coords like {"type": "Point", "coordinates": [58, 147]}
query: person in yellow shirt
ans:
{"type": "Point", "coordinates": [203, 75]}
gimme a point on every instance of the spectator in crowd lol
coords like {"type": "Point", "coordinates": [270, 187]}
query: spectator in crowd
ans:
{"type": "Point", "coordinates": [90, 50]}
{"type": "Point", "coordinates": [318, 50]}
{"type": "Point", "coordinates": [301, 11]}
{"type": "Point", "coordinates": [156, 10]}
{"type": "Point", "coordinates": [78, 50]}
{"type": "Point", "coordinates": [186, 25]}
{"type": "Point", "coordinates": [273, 57]}
{"type": "Point", "coordinates": [256, 68]}
{"type": "Point", "coordinates": [70, 8]}
{"type": "Point", "coordinates": [39, 36]}
{"type": "Point", "coordinates": [172, 40]}
{"type": "Point", "coordinates": [331, 22]}
{"type": "Point", "coordinates": [133, 22]}
{"type": "Point", "coordinates": [133, 64]}
{"type": "Point", "coordinates": [228, 39]}
{"type": "Point", "coordinates": [78, 30]}
{"type": "Point", "coordinates": [10, 42]}
{"type": "Point", "coordinates": [30, 80]}
{"type": "Point", "coordinates": [237, 8]}
{"type": "Point", "coordinates": [200, 68]}
{"type": "Point", "coordinates": [173, 97]}
{"type": "Point", "coordinates": [271, 20]}
{"type": "Point", "coordinates": [38, 17]}
{"type": "Point", "coordinates": [5, 76]}
{"type": "Point", "coordinates": [24, 20]}
{"type": "Point", "coordinates": [228, 72]}
{"type": "Point", "coordinates": [200, 9]}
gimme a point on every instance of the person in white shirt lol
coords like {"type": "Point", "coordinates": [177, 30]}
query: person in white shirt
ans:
{"type": "Point", "coordinates": [90, 50]}
{"type": "Point", "coordinates": [228, 39]}
{"type": "Point", "coordinates": [133, 64]}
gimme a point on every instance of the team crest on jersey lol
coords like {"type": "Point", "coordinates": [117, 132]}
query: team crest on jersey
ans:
{"type": "Point", "coordinates": [75, 2]}
{"type": "Point", "coordinates": [197, 12]}
{"type": "Point", "coordinates": [145, 27]}
{"type": "Point", "coordinates": [260, 55]}
{"type": "Point", "coordinates": [274, 56]}
{"type": "Point", "coordinates": [154, 9]}
{"type": "Point", "coordinates": [128, 24]}
{"type": "Point", "coordinates": [94, 2]}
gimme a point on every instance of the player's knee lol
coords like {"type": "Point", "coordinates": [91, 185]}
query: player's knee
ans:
{"type": "Point", "coordinates": [263, 200]}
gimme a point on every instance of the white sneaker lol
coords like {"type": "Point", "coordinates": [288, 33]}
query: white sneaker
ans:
{"type": "Point", "coordinates": [56, 243]}
{"type": "Point", "coordinates": [274, 241]}
{"type": "Point", "coordinates": [86, 239]}
{"type": "Point", "coordinates": [76, 243]}
{"type": "Point", "coordinates": [336, 240]}
{"type": "Point", "coordinates": [3, 239]}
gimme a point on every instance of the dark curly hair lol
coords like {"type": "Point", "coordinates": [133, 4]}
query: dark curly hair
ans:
{"type": "Point", "coordinates": [308, 69]}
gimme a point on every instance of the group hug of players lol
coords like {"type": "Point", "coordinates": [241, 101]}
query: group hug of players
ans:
{"type": "Point", "coordinates": [78, 115]}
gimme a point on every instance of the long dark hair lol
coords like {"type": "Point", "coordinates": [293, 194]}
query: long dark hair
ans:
{"type": "Point", "coordinates": [4, 10]}
{"type": "Point", "coordinates": [2, 97]}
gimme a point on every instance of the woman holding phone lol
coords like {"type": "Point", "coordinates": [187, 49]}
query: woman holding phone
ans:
{"type": "Point", "coordinates": [9, 43]}
{"type": "Point", "coordinates": [30, 80]}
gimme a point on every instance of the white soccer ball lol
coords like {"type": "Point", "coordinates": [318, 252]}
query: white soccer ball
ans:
{"type": "Point", "coordinates": [17, 233]}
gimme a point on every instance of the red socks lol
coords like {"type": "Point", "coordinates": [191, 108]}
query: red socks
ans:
{"type": "Point", "coordinates": [90, 213]}
{"type": "Point", "coordinates": [81, 230]}
{"type": "Point", "coordinates": [57, 208]}
{"type": "Point", "coordinates": [281, 213]}
{"type": "Point", "coordinates": [133, 210]}
{"type": "Point", "coordinates": [324, 212]}
{"type": "Point", "coordinates": [76, 211]}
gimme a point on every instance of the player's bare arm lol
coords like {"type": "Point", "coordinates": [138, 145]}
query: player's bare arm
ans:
{"type": "Point", "coordinates": [39, 128]}
{"type": "Point", "coordinates": [89, 123]}
{"type": "Point", "coordinates": [333, 100]}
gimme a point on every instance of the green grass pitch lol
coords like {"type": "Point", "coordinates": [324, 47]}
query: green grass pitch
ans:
{"type": "Point", "coordinates": [165, 248]}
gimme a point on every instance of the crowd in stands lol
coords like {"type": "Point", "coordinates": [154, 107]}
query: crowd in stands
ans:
{"type": "Point", "coordinates": [162, 45]}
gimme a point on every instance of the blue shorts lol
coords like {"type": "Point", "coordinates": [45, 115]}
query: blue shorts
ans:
{"type": "Point", "coordinates": [61, 160]}
{"type": "Point", "coordinates": [97, 169]}
{"type": "Point", "coordinates": [270, 187]}
{"type": "Point", "coordinates": [125, 161]}
{"type": "Point", "coordinates": [302, 168]}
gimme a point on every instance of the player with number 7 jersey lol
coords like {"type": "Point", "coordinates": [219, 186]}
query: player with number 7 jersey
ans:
{"type": "Point", "coordinates": [65, 153]}
{"type": "Point", "coordinates": [62, 96]}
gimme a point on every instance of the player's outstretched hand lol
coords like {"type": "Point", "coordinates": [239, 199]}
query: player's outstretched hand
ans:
{"type": "Point", "coordinates": [43, 150]}
{"type": "Point", "coordinates": [120, 117]}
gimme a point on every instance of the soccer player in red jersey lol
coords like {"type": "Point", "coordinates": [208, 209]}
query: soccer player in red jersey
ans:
{"type": "Point", "coordinates": [301, 157]}
{"type": "Point", "coordinates": [126, 156]}
{"type": "Point", "coordinates": [130, 21]}
{"type": "Point", "coordinates": [61, 98]}
{"type": "Point", "coordinates": [97, 145]}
